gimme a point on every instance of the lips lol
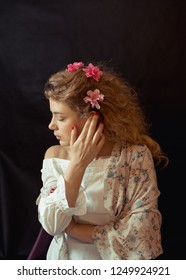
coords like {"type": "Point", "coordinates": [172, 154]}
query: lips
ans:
{"type": "Point", "coordinates": [58, 137]}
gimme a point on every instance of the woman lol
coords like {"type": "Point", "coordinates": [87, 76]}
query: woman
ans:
{"type": "Point", "coordinates": [100, 196]}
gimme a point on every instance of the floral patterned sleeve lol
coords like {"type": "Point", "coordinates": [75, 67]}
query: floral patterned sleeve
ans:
{"type": "Point", "coordinates": [131, 196]}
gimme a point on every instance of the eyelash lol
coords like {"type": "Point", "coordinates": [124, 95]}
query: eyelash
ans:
{"type": "Point", "coordinates": [60, 120]}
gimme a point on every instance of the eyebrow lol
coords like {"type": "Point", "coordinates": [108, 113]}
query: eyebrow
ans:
{"type": "Point", "coordinates": [58, 113]}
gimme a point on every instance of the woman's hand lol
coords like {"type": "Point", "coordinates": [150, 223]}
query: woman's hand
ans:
{"type": "Point", "coordinates": [85, 148]}
{"type": "Point", "coordinates": [70, 227]}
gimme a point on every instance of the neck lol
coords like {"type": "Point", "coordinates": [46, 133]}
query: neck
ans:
{"type": "Point", "coordinates": [106, 150]}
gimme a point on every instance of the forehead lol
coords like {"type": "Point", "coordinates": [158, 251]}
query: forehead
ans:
{"type": "Point", "coordinates": [60, 107]}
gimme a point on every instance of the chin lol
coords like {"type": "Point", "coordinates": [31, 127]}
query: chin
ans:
{"type": "Point", "coordinates": [64, 143]}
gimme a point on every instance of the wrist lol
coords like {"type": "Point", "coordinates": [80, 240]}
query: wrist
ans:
{"type": "Point", "coordinates": [77, 166]}
{"type": "Point", "coordinates": [70, 227]}
{"type": "Point", "coordinates": [81, 232]}
{"type": "Point", "coordinates": [73, 178]}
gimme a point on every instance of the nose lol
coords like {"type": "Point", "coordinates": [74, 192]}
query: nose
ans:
{"type": "Point", "coordinates": [52, 125]}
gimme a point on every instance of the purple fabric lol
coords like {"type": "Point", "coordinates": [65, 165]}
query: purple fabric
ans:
{"type": "Point", "coordinates": [40, 248]}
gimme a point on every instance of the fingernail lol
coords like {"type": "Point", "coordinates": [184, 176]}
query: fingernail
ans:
{"type": "Point", "coordinates": [96, 114]}
{"type": "Point", "coordinates": [93, 113]}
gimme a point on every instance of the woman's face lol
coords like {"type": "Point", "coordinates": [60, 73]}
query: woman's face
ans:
{"type": "Point", "coordinates": [63, 120]}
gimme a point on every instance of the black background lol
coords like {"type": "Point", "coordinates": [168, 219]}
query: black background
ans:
{"type": "Point", "coordinates": [144, 40]}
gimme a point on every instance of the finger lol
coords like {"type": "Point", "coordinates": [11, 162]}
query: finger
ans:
{"type": "Point", "coordinates": [93, 125]}
{"type": "Point", "coordinates": [98, 133]}
{"type": "Point", "coordinates": [100, 142]}
{"type": "Point", "coordinates": [73, 135]}
{"type": "Point", "coordinates": [85, 129]}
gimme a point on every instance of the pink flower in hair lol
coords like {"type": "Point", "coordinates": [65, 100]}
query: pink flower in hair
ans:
{"type": "Point", "coordinates": [74, 66]}
{"type": "Point", "coordinates": [92, 71]}
{"type": "Point", "coordinates": [93, 97]}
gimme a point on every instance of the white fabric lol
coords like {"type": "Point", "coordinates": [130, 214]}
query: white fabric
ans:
{"type": "Point", "coordinates": [119, 194]}
{"type": "Point", "coordinates": [55, 214]}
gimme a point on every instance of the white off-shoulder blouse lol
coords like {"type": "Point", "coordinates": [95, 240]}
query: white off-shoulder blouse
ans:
{"type": "Point", "coordinates": [118, 194]}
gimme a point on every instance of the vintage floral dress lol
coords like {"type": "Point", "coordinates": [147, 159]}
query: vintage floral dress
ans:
{"type": "Point", "coordinates": [119, 194]}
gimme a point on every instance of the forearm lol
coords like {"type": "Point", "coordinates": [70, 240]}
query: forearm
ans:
{"type": "Point", "coordinates": [82, 232]}
{"type": "Point", "coordinates": [73, 178]}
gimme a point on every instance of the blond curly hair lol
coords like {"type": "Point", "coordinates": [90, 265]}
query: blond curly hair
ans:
{"type": "Point", "coordinates": [121, 112]}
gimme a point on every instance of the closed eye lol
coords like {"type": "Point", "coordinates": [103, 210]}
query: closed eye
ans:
{"type": "Point", "coordinates": [60, 116]}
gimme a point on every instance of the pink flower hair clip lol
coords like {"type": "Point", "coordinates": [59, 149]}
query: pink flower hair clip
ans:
{"type": "Point", "coordinates": [93, 97]}
{"type": "Point", "coordinates": [72, 67]}
{"type": "Point", "coordinates": [92, 71]}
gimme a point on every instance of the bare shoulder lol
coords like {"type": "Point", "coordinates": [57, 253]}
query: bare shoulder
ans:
{"type": "Point", "coordinates": [52, 152]}
{"type": "Point", "coordinates": [56, 152]}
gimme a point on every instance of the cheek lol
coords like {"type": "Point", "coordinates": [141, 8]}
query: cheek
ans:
{"type": "Point", "coordinates": [65, 128]}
